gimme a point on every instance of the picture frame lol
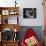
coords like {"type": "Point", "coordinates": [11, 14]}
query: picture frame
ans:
{"type": "Point", "coordinates": [29, 12]}
{"type": "Point", "coordinates": [5, 12]}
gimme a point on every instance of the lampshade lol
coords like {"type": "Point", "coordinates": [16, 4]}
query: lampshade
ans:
{"type": "Point", "coordinates": [15, 30]}
{"type": "Point", "coordinates": [15, 3]}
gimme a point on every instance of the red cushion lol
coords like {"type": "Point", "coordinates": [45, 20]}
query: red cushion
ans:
{"type": "Point", "coordinates": [29, 33]}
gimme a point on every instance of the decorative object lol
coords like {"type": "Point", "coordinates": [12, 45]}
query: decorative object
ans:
{"type": "Point", "coordinates": [5, 19]}
{"type": "Point", "coordinates": [15, 30]}
{"type": "Point", "coordinates": [13, 12]}
{"type": "Point", "coordinates": [30, 38]}
{"type": "Point", "coordinates": [15, 3]}
{"type": "Point", "coordinates": [29, 12]}
{"type": "Point", "coordinates": [31, 41]}
{"type": "Point", "coordinates": [15, 37]}
{"type": "Point", "coordinates": [5, 12]}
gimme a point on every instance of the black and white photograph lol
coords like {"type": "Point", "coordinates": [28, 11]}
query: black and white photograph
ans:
{"type": "Point", "coordinates": [29, 12]}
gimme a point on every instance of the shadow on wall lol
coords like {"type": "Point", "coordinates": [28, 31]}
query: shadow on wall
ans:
{"type": "Point", "coordinates": [37, 29]}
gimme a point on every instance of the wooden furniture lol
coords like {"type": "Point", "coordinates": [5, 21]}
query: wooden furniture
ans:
{"type": "Point", "coordinates": [7, 23]}
{"type": "Point", "coordinates": [44, 9]}
{"type": "Point", "coordinates": [10, 43]}
{"type": "Point", "coordinates": [44, 35]}
{"type": "Point", "coordinates": [6, 12]}
{"type": "Point", "coordinates": [11, 26]}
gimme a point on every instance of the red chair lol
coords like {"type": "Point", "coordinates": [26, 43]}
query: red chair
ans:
{"type": "Point", "coordinates": [29, 33]}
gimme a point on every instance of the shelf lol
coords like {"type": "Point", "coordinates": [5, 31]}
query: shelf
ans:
{"type": "Point", "coordinates": [9, 10]}
{"type": "Point", "coordinates": [9, 20]}
{"type": "Point", "coordinates": [5, 8]}
{"type": "Point", "coordinates": [6, 12]}
{"type": "Point", "coordinates": [11, 41]}
{"type": "Point", "coordinates": [11, 26]}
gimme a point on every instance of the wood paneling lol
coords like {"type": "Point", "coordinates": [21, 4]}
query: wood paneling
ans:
{"type": "Point", "coordinates": [44, 6]}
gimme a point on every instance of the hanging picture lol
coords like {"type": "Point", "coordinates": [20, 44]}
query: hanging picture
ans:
{"type": "Point", "coordinates": [29, 12]}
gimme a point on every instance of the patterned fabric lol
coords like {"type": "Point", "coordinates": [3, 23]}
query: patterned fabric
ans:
{"type": "Point", "coordinates": [28, 34]}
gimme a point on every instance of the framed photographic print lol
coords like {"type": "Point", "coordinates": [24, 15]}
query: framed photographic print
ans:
{"type": "Point", "coordinates": [5, 12]}
{"type": "Point", "coordinates": [29, 13]}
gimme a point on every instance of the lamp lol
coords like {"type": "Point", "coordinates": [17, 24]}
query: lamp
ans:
{"type": "Point", "coordinates": [15, 3]}
{"type": "Point", "coordinates": [15, 30]}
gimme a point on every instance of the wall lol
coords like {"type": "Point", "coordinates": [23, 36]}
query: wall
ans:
{"type": "Point", "coordinates": [28, 22]}
{"type": "Point", "coordinates": [27, 4]}
{"type": "Point", "coordinates": [32, 4]}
